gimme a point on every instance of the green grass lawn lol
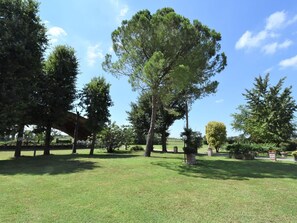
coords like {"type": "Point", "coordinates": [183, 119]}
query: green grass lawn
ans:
{"type": "Point", "coordinates": [127, 187]}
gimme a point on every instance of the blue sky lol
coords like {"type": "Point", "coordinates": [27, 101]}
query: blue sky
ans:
{"type": "Point", "coordinates": [257, 37]}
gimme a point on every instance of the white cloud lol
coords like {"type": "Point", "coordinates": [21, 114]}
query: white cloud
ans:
{"type": "Point", "coordinates": [276, 20]}
{"type": "Point", "coordinates": [124, 11]}
{"type": "Point", "coordinates": [293, 20]}
{"type": "Point", "coordinates": [94, 53]}
{"type": "Point", "coordinates": [290, 62]}
{"type": "Point", "coordinates": [268, 70]}
{"type": "Point", "coordinates": [55, 34]}
{"type": "Point", "coordinates": [248, 40]}
{"type": "Point", "coordinates": [219, 101]}
{"type": "Point", "coordinates": [273, 47]}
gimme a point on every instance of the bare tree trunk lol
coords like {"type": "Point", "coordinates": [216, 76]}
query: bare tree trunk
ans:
{"type": "Point", "coordinates": [187, 115]}
{"type": "Point", "coordinates": [74, 146]}
{"type": "Point", "coordinates": [150, 135]}
{"type": "Point", "coordinates": [18, 149]}
{"type": "Point", "coordinates": [47, 139]}
{"type": "Point", "coordinates": [93, 144]}
{"type": "Point", "coordinates": [164, 141]}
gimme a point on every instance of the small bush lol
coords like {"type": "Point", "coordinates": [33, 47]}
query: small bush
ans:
{"type": "Point", "coordinates": [136, 148]}
{"type": "Point", "coordinates": [242, 151]}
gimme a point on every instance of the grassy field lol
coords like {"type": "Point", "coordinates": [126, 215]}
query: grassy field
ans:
{"type": "Point", "coordinates": [127, 187]}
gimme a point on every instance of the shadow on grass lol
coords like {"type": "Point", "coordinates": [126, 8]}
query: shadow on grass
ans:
{"type": "Point", "coordinates": [229, 169]}
{"type": "Point", "coordinates": [39, 165]}
{"type": "Point", "coordinates": [55, 164]}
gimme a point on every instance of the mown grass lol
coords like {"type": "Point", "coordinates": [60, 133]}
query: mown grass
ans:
{"type": "Point", "coordinates": [127, 187]}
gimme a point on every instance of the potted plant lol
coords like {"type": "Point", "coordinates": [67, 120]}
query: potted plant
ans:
{"type": "Point", "coordinates": [295, 155]}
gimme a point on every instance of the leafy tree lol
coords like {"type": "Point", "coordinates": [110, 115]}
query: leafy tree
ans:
{"type": "Point", "coordinates": [95, 100]}
{"type": "Point", "coordinates": [139, 116]}
{"type": "Point", "coordinates": [111, 137]}
{"type": "Point", "coordinates": [163, 53]}
{"type": "Point", "coordinates": [269, 113]}
{"type": "Point", "coordinates": [23, 41]}
{"type": "Point", "coordinates": [56, 91]}
{"type": "Point", "coordinates": [216, 134]}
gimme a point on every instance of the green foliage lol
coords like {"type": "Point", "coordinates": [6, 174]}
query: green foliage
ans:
{"type": "Point", "coordinates": [95, 100]}
{"type": "Point", "coordinates": [163, 53]}
{"type": "Point", "coordinates": [269, 113]}
{"type": "Point", "coordinates": [216, 134]}
{"type": "Point", "coordinates": [294, 153]}
{"type": "Point", "coordinates": [23, 41]}
{"type": "Point", "coordinates": [193, 140]}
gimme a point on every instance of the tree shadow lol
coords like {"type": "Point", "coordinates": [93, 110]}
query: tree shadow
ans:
{"type": "Point", "coordinates": [41, 165]}
{"type": "Point", "coordinates": [233, 169]}
{"type": "Point", "coordinates": [56, 164]}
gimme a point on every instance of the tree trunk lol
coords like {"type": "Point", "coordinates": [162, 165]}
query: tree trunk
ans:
{"type": "Point", "coordinates": [47, 139]}
{"type": "Point", "coordinates": [164, 141]}
{"type": "Point", "coordinates": [18, 149]}
{"type": "Point", "coordinates": [93, 144]}
{"type": "Point", "coordinates": [150, 135]}
{"type": "Point", "coordinates": [217, 149]}
{"type": "Point", "coordinates": [187, 115]}
{"type": "Point", "coordinates": [74, 146]}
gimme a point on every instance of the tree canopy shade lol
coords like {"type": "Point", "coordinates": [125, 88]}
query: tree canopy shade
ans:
{"type": "Point", "coordinates": [95, 100]}
{"type": "Point", "coordinates": [216, 134]}
{"type": "Point", "coordinates": [56, 91]}
{"type": "Point", "coordinates": [23, 41]}
{"type": "Point", "coordinates": [164, 53]}
{"type": "Point", "coordinates": [268, 115]}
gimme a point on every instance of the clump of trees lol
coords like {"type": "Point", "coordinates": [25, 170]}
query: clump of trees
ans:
{"type": "Point", "coordinates": [164, 53]}
{"type": "Point", "coordinates": [268, 115]}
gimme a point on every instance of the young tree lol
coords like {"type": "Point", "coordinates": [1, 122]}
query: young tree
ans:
{"type": "Point", "coordinates": [95, 100]}
{"type": "Point", "coordinates": [216, 134]}
{"type": "Point", "coordinates": [23, 41]}
{"type": "Point", "coordinates": [164, 52]}
{"type": "Point", "coordinates": [111, 137]}
{"type": "Point", "coordinates": [56, 91]}
{"type": "Point", "coordinates": [269, 113]}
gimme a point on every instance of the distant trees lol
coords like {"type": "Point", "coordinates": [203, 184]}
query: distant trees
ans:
{"type": "Point", "coordinates": [95, 100]}
{"type": "Point", "coordinates": [216, 134]}
{"type": "Point", "coordinates": [268, 115]}
{"type": "Point", "coordinates": [163, 53]}
{"type": "Point", "coordinates": [23, 41]}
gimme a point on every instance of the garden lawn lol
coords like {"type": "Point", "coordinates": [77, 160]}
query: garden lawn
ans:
{"type": "Point", "coordinates": [131, 188]}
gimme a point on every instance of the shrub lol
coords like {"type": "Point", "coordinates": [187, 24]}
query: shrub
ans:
{"type": "Point", "coordinates": [242, 151]}
{"type": "Point", "coordinates": [294, 153]}
{"type": "Point", "coordinates": [136, 148]}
